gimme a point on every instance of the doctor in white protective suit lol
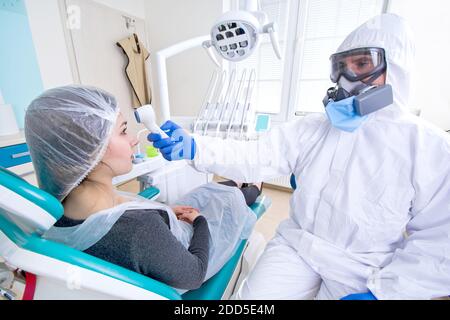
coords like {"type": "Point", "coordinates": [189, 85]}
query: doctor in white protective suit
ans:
{"type": "Point", "coordinates": [371, 216]}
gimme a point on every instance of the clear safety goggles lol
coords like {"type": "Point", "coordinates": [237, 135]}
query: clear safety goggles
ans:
{"type": "Point", "coordinates": [358, 64]}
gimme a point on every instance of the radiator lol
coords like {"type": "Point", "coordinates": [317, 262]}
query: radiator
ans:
{"type": "Point", "coordinates": [284, 182]}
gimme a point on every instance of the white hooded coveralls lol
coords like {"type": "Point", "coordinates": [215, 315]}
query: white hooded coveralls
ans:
{"type": "Point", "coordinates": [372, 210]}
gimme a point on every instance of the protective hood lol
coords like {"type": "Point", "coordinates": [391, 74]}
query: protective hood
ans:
{"type": "Point", "coordinates": [390, 32]}
{"type": "Point", "coordinates": [68, 130]}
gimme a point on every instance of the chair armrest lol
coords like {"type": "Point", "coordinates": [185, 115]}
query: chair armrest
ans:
{"type": "Point", "coordinates": [261, 205]}
{"type": "Point", "coordinates": [214, 288]}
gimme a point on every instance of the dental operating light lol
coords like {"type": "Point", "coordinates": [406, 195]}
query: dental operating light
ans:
{"type": "Point", "coordinates": [237, 34]}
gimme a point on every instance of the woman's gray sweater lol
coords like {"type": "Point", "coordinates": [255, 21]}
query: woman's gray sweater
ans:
{"type": "Point", "coordinates": [141, 241]}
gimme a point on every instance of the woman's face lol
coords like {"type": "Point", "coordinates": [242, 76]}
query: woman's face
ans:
{"type": "Point", "coordinates": [119, 155]}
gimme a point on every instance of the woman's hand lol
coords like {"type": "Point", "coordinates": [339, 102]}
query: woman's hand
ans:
{"type": "Point", "coordinates": [186, 213]}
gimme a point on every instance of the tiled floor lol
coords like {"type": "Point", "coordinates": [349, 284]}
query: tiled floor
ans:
{"type": "Point", "coordinates": [267, 225]}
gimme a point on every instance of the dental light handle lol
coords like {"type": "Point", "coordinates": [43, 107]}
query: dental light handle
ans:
{"type": "Point", "coordinates": [146, 116]}
{"type": "Point", "coordinates": [271, 30]}
{"type": "Point", "coordinates": [207, 45]}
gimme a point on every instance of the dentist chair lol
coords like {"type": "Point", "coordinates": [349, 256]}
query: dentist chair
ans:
{"type": "Point", "coordinates": [58, 272]}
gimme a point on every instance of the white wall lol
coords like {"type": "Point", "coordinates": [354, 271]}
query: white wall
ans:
{"type": "Point", "coordinates": [431, 26]}
{"type": "Point", "coordinates": [48, 37]}
{"type": "Point", "coordinates": [132, 7]}
{"type": "Point", "coordinates": [168, 22]}
{"type": "Point", "coordinates": [172, 21]}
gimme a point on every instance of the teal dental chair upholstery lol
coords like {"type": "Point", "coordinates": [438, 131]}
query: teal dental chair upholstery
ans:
{"type": "Point", "coordinates": [213, 289]}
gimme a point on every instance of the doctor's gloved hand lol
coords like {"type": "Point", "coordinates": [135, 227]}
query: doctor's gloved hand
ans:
{"type": "Point", "coordinates": [179, 146]}
{"type": "Point", "coordinates": [360, 296]}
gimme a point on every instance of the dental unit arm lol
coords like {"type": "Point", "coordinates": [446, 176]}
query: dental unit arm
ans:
{"type": "Point", "coordinates": [246, 26]}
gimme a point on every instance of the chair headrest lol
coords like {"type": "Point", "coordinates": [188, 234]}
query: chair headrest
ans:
{"type": "Point", "coordinates": [30, 208]}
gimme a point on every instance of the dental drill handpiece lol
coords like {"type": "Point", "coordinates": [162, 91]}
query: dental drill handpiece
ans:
{"type": "Point", "coordinates": [146, 116]}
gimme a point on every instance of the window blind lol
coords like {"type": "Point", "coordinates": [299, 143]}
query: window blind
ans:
{"type": "Point", "coordinates": [328, 23]}
{"type": "Point", "coordinates": [268, 88]}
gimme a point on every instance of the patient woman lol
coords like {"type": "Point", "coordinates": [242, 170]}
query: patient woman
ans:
{"type": "Point", "coordinates": [79, 142]}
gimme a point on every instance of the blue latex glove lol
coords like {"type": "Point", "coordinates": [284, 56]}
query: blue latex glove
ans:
{"type": "Point", "coordinates": [342, 115]}
{"type": "Point", "coordinates": [361, 296]}
{"type": "Point", "coordinates": [179, 146]}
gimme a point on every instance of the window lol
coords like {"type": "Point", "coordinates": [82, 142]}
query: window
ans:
{"type": "Point", "coordinates": [309, 31]}
{"type": "Point", "coordinates": [327, 24]}
{"type": "Point", "coordinates": [270, 73]}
